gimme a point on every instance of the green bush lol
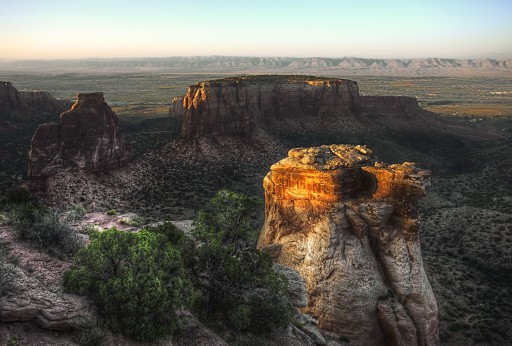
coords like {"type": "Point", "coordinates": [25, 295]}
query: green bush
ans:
{"type": "Point", "coordinates": [238, 281]}
{"type": "Point", "coordinates": [183, 243]}
{"type": "Point", "coordinates": [137, 281]}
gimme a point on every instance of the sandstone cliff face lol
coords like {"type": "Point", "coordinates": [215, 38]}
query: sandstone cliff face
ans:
{"type": "Point", "coordinates": [348, 224]}
{"type": "Point", "coordinates": [87, 138]}
{"type": "Point", "coordinates": [29, 102]}
{"type": "Point", "coordinates": [237, 106]}
{"type": "Point", "coordinates": [309, 110]}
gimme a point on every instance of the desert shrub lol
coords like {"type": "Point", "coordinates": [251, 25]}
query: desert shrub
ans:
{"type": "Point", "coordinates": [237, 281]}
{"type": "Point", "coordinates": [37, 224]}
{"type": "Point", "coordinates": [77, 211]}
{"type": "Point", "coordinates": [137, 281]}
{"type": "Point", "coordinates": [89, 229]}
{"type": "Point", "coordinates": [44, 229]}
{"type": "Point", "coordinates": [7, 273]}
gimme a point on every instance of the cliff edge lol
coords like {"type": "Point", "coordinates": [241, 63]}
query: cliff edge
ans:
{"type": "Point", "coordinates": [349, 225]}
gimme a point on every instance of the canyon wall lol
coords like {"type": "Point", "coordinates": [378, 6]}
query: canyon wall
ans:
{"type": "Point", "coordinates": [86, 138]}
{"type": "Point", "coordinates": [13, 101]}
{"type": "Point", "coordinates": [349, 225]}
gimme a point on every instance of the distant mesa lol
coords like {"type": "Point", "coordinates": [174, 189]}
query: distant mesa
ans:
{"type": "Point", "coordinates": [348, 224]}
{"type": "Point", "coordinates": [13, 101]}
{"type": "Point", "coordinates": [304, 106]}
{"type": "Point", "coordinates": [87, 138]}
{"type": "Point", "coordinates": [420, 66]}
{"type": "Point", "coordinates": [239, 106]}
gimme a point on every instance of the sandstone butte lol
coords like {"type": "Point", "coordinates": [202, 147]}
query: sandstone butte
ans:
{"type": "Point", "coordinates": [288, 106]}
{"type": "Point", "coordinates": [349, 226]}
{"type": "Point", "coordinates": [87, 138]}
{"type": "Point", "coordinates": [237, 106]}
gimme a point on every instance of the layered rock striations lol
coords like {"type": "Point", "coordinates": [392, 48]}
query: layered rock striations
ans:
{"type": "Point", "coordinates": [13, 101]}
{"type": "Point", "coordinates": [238, 106]}
{"type": "Point", "coordinates": [349, 225]}
{"type": "Point", "coordinates": [86, 138]}
{"type": "Point", "coordinates": [306, 110]}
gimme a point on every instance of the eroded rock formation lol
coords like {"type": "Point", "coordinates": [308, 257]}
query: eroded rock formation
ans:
{"type": "Point", "coordinates": [237, 106]}
{"type": "Point", "coordinates": [349, 225]}
{"type": "Point", "coordinates": [306, 110]}
{"type": "Point", "coordinates": [86, 138]}
{"type": "Point", "coordinates": [13, 101]}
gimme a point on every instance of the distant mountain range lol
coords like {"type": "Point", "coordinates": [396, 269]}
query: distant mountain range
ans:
{"type": "Point", "coordinates": [267, 64]}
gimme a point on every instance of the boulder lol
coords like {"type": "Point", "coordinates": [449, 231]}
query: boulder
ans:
{"type": "Point", "coordinates": [33, 302]}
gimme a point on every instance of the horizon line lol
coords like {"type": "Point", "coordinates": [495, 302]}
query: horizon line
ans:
{"type": "Point", "coordinates": [246, 56]}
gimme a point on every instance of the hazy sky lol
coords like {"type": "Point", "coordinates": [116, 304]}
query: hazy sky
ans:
{"type": "Point", "coordinates": [49, 29]}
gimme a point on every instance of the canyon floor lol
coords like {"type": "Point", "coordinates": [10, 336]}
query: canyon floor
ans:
{"type": "Point", "coordinates": [466, 217]}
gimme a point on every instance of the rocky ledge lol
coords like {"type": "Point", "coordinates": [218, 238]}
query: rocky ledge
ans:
{"type": "Point", "coordinates": [349, 225]}
{"type": "Point", "coordinates": [86, 138]}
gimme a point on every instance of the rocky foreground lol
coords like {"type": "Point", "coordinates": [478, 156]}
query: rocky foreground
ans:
{"type": "Point", "coordinates": [350, 227]}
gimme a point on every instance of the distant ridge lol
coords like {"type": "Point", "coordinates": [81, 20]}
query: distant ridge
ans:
{"type": "Point", "coordinates": [276, 64]}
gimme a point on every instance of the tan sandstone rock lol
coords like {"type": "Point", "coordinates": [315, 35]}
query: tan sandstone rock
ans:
{"type": "Point", "coordinates": [349, 226]}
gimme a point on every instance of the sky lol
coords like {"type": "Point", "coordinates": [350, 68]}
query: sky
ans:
{"type": "Point", "coordinates": [53, 29]}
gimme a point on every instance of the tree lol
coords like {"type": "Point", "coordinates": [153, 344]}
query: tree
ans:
{"type": "Point", "coordinates": [137, 281]}
{"type": "Point", "coordinates": [238, 281]}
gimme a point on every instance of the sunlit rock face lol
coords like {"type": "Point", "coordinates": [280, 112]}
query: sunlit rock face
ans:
{"type": "Point", "coordinates": [348, 224]}
{"type": "Point", "coordinates": [237, 106]}
{"type": "Point", "coordinates": [86, 138]}
{"type": "Point", "coordinates": [13, 101]}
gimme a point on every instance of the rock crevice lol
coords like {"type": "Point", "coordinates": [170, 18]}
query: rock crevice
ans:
{"type": "Point", "coordinates": [348, 225]}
